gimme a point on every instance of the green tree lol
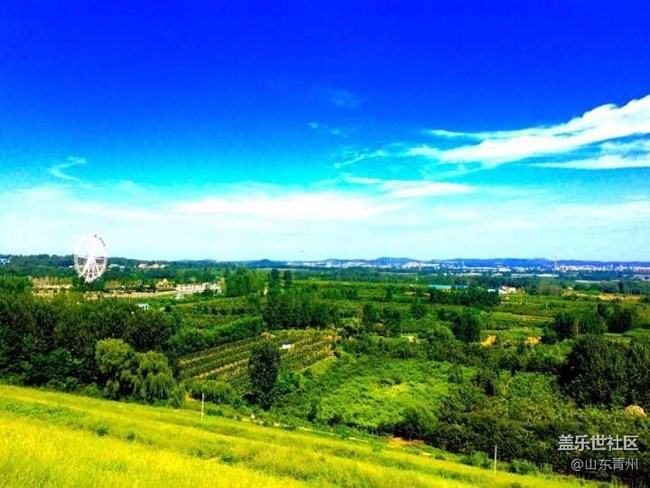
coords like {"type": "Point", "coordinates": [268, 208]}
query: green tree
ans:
{"type": "Point", "coordinates": [263, 370]}
{"type": "Point", "coordinates": [147, 330]}
{"type": "Point", "coordinates": [418, 309]}
{"type": "Point", "coordinates": [591, 323]}
{"type": "Point", "coordinates": [638, 359]}
{"type": "Point", "coordinates": [416, 423]}
{"type": "Point", "coordinates": [369, 315]}
{"type": "Point", "coordinates": [566, 326]}
{"type": "Point", "coordinates": [389, 294]}
{"type": "Point", "coordinates": [620, 319]}
{"type": "Point", "coordinates": [287, 276]}
{"type": "Point", "coordinates": [57, 368]}
{"type": "Point", "coordinates": [487, 379]}
{"type": "Point", "coordinates": [155, 380]}
{"type": "Point", "coordinates": [467, 327]}
{"type": "Point", "coordinates": [274, 281]}
{"type": "Point", "coordinates": [116, 361]}
{"type": "Point", "coordinates": [549, 336]}
{"type": "Point", "coordinates": [214, 391]}
{"type": "Point", "coordinates": [595, 372]}
{"type": "Point", "coordinates": [440, 343]}
{"type": "Point", "coordinates": [392, 319]}
{"type": "Point", "coordinates": [240, 282]}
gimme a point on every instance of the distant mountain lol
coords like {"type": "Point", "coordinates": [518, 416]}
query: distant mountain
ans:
{"type": "Point", "coordinates": [383, 261]}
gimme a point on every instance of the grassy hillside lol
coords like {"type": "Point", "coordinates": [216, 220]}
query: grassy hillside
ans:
{"type": "Point", "coordinates": [55, 439]}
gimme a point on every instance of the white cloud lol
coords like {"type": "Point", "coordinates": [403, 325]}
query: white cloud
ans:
{"type": "Point", "coordinates": [420, 189]}
{"type": "Point", "coordinates": [590, 215]}
{"type": "Point", "coordinates": [379, 217]}
{"type": "Point", "coordinates": [602, 162]}
{"type": "Point", "coordinates": [45, 192]}
{"type": "Point", "coordinates": [635, 154]}
{"type": "Point", "coordinates": [356, 157]}
{"type": "Point", "coordinates": [58, 170]}
{"type": "Point", "coordinates": [596, 127]}
{"type": "Point", "coordinates": [412, 188]}
{"type": "Point", "coordinates": [327, 129]}
{"type": "Point", "coordinates": [307, 206]}
{"type": "Point", "coordinates": [343, 98]}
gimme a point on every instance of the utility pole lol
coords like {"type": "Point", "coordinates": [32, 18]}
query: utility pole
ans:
{"type": "Point", "coordinates": [203, 403]}
{"type": "Point", "coordinates": [495, 459]}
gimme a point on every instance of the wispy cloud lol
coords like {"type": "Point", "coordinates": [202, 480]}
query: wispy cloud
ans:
{"type": "Point", "coordinates": [351, 158]}
{"type": "Point", "coordinates": [412, 188]}
{"type": "Point", "coordinates": [370, 217]}
{"type": "Point", "coordinates": [305, 206]}
{"type": "Point", "coordinates": [44, 193]}
{"type": "Point", "coordinates": [327, 129]}
{"type": "Point", "coordinates": [603, 162]}
{"type": "Point", "coordinates": [599, 130]}
{"type": "Point", "coordinates": [58, 171]}
{"type": "Point", "coordinates": [612, 155]}
{"type": "Point", "coordinates": [342, 98]}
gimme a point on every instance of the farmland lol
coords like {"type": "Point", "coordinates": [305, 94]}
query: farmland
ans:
{"type": "Point", "coordinates": [228, 363]}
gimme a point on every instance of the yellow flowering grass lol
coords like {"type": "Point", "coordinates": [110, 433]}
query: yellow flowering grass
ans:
{"type": "Point", "coordinates": [55, 439]}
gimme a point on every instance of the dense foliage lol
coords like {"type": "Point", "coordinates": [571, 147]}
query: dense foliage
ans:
{"type": "Point", "coordinates": [603, 372]}
{"type": "Point", "coordinates": [462, 370]}
{"type": "Point", "coordinates": [263, 370]}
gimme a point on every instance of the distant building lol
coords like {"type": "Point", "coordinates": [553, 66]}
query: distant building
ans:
{"type": "Point", "coordinates": [506, 290]}
{"type": "Point", "coordinates": [164, 284]}
{"type": "Point", "coordinates": [189, 288]}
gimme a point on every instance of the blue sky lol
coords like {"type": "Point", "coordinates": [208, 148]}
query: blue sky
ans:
{"type": "Point", "coordinates": [345, 129]}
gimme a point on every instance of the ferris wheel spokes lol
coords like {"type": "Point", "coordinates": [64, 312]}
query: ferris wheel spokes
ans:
{"type": "Point", "coordinates": [90, 257]}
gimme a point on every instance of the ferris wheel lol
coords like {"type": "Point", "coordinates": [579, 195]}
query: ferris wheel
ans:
{"type": "Point", "coordinates": [90, 257]}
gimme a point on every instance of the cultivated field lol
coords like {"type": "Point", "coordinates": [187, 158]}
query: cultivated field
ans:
{"type": "Point", "coordinates": [229, 362]}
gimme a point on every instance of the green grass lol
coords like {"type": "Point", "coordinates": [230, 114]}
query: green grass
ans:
{"type": "Point", "coordinates": [55, 439]}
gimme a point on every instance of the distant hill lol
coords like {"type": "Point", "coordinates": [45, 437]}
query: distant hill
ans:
{"type": "Point", "coordinates": [384, 261]}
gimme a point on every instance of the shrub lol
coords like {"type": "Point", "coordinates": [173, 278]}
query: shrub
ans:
{"type": "Point", "coordinates": [214, 391]}
{"type": "Point", "coordinates": [177, 397]}
{"type": "Point", "coordinates": [417, 423]}
{"type": "Point", "coordinates": [521, 466]}
{"type": "Point", "coordinates": [478, 459]}
{"type": "Point", "coordinates": [455, 374]}
{"type": "Point", "coordinates": [101, 430]}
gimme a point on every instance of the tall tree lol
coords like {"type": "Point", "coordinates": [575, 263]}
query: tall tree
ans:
{"type": "Point", "coordinates": [288, 278]}
{"type": "Point", "coordinates": [116, 361]}
{"type": "Point", "coordinates": [418, 309]}
{"type": "Point", "coordinates": [467, 327]}
{"type": "Point", "coordinates": [595, 372]}
{"type": "Point", "coordinates": [274, 281]}
{"type": "Point", "coordinates": [263, 370]}
{"type": "Point", "coordinates": [369, 315]}
{"type": "Point", "coordinates": [620, 319]}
